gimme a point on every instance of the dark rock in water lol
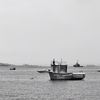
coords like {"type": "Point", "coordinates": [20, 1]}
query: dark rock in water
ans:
{"type": "Point", "coordinates": [98, 70]}
{"type": "Point", "coordinates": [32, 78]}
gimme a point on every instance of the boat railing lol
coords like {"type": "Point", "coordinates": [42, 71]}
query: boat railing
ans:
{"type": "Point", "coordinates": [59, 63]}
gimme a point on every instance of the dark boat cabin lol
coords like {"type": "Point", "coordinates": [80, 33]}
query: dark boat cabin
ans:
{"type": "Point", "coordinates": [59, 67]}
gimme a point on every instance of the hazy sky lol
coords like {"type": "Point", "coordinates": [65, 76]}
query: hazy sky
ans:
{"type": "Point", "coordinates": [36, 31]}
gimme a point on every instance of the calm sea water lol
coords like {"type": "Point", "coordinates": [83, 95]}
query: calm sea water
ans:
{"type": "Point", "coordinates": [28, 84]}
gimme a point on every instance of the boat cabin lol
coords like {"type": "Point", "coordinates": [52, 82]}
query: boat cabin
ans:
{"type": "Point", "coordinates": [58, 67]}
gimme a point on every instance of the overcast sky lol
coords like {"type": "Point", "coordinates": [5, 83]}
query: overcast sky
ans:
{"type": "Point", "coordinates": [36, 31]}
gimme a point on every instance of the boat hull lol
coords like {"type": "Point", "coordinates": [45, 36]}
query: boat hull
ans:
{"type": "Point", "coordinates": [66, 76]}
{"type": "Point", "coordinates": [78, 76]}
{"type": "Point", "coordinates": [77, 66]}
{"type": "Point", "coordinates": [60, 76]}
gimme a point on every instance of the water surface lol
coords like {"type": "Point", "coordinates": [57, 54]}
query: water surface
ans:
{"type": "Point", "coordinates": [27, 84]}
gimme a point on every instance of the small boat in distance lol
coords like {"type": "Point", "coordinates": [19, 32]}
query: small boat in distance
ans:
{"type": "Point", "coordinates": [13, 68]}
{"type": "Point", "coordinates": [59, 72]}
{"type": "Point", "coordinates": [77, 64]}
{"type": "Point", "coordinates": [43, 71]}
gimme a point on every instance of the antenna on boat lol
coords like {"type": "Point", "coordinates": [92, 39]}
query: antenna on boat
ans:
{"type": "Point", "coordinates": [77, 61]}
{"type": "Point", "coordinates": [61, 60]}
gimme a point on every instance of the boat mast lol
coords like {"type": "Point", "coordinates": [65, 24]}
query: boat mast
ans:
{"type": "Point", "coordinates": [77, 61]}
{"type": "Point", "coordinates": [61, 60]}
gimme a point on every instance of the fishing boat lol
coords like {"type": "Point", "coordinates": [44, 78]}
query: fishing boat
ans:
{"type": "Point", "coordinates": [59, 72]}
{"type": "Point", "coordinates": [77, 64]}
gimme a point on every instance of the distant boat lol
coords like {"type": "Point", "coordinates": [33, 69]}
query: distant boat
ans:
{"type": "Point", "coordinates": [43, 71]}
{"type": "Point", "coordinates": [77, 64]}
{"type": "Point", "coordinates": [59, 72]}
{"type": "Point", "coordinates": [13, 68]}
